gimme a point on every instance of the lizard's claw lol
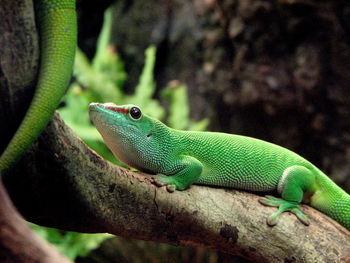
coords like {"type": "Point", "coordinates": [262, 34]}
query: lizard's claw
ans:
{"type": "Point", "coordinates": [162, 180]}
{"type": "Point", "coordinates": [171, 188]}
{"type": "Point", "coordinates": [301, 216]}
{"type": "Point", "coordinates": [156, 182]}
{"type": "Point", "coordinates": [283, 206]}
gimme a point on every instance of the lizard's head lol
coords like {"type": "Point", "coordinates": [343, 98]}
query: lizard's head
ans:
{"type": "Point", "coordinates": [125, 129]}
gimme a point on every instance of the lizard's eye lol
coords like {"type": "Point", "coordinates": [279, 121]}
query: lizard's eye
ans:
{"type": "Point", "coordinates": [135, 113]}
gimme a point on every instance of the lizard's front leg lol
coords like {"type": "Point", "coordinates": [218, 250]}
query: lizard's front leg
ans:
{"type": "Point", "coordinates": [180, 174]}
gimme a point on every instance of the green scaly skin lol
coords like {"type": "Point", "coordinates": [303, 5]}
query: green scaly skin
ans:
{"type": "Point", "coordinates": [58, 40]}
{"type": "Point", "coordinates": [181, 158]}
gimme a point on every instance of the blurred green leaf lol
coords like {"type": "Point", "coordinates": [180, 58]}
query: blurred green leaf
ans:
{"type": "Point", "coordinates": [145, 90]}
{"type": "Point", "coordinates": [106, 59]}
{"type": "Point", "coordinates": [71, 244]}
{"type": "Point", "coordinates": [179, 109]}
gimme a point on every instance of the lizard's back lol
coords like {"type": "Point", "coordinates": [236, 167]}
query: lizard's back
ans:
{"type": "Point", "coordinates": [238, 161]}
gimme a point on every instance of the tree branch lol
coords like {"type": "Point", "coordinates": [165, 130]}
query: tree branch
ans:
{"type": "Point", "coordinates": [63, 183]}
{"type": "Point", "coordinates": [18, 243]}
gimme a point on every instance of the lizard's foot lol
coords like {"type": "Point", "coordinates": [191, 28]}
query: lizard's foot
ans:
{"type": "Point", "coordinates": [168, 181]}
{"type": "Point", "coordinates": [283, 206]}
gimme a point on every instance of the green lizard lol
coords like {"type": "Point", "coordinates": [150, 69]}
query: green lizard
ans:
{"type": "Point", "coordinates": [58, 40]}
{"type": "Point", "coordinates": [181, 158]}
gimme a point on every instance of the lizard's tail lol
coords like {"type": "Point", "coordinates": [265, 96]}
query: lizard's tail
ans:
{"type": "Point", "coordinates": [331, 200]}
{"type": "Point", "coordinates": [340, 210]}
{"type": "Point", "coordinates": [58, 33]}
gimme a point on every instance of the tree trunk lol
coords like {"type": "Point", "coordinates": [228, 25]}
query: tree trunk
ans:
{"type": "Point", "coordinates": [19, 55]}
{"type": "Point", "coordinates": [18, 243]}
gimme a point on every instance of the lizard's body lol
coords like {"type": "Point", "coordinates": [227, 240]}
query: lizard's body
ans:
{"type": "Point", "coordinates": [181, 158]}
{"type": "Point", "coordinates": [58, 39]}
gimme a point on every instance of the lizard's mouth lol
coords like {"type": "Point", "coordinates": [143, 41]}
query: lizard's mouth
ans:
{"type": "Point", "coordinates": [93, 106]}
{"type": "Point", "coordinates": [96, 111]}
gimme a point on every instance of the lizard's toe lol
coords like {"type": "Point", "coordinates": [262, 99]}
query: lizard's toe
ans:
{"type": "Point", "coordinates": [156, 182]}
{"type": "Point", "coordinates": [171, 188]}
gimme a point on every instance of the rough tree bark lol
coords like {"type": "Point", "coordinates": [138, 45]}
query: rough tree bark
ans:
{"type": "Point", "coordinates": [63, 183]}
{"type": "Point", "coordinates": [18, 64]}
